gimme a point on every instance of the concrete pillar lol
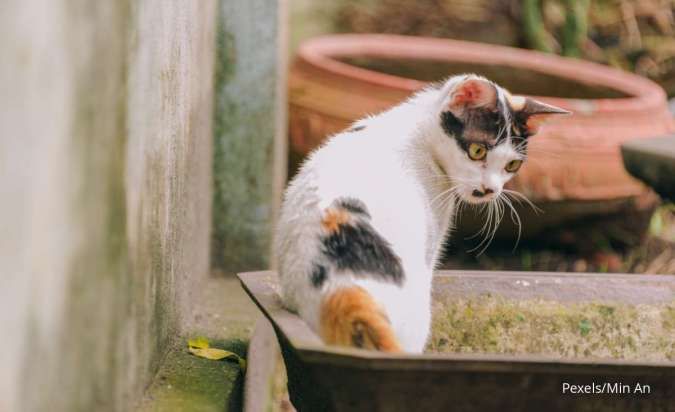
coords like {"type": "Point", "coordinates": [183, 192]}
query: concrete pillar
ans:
{"type": "Point", "coordinates": [105, 187]}
{"type": "Point", "coordinates": [249, 130]}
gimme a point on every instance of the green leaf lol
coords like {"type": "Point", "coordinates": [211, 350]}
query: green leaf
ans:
{"type": "Point", "coordinates": [199, 342]}
{"type": "Point", "coordinates": [656, 224]}
{"type": "Point", "coordinates": [584, 327]}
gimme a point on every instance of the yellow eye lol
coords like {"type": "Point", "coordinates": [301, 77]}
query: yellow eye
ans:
{"type": "Point", "coordinates": [477, 151]}
{"type": "Point", "coordinates": [513, 166]}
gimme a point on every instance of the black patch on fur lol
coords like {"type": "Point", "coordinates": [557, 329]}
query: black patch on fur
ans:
{"type": "Point", "coordinates": [356, 129]}
{"type": "Point", "coordinates": [520, 124]}
{"type": "Point", "coordinates": [318, 276]}
{"type": "Point", "coordinates": [360, 249]}
{"type": "Point", "coordinates": [519, 119]}
{"type": "Point", "coordinates": [481, 125]}
{"type": "Point", "coordinates": [451, 124]}
{"type": "Point", "coordinates": [354, 206]}
{"type": "Point", "coordinates": [484, 121]}
{"type": "Point", "coordinates": [503, 129]}
{"type": "Point", "coordinates": [520, 144]}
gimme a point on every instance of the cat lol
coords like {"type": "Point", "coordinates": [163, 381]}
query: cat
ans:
{"type": "Point", "coordinates": [363, 222]}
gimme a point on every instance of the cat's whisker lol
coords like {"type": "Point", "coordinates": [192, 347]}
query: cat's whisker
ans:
{"type": "Point", "coordinates": [487, 227]}
{"type": "Point", "coordinates": [496, 216]}
{"type": "Point", "coordinates": [499, 215]}
{"type": "Point", "coordinates": [456, 197]}
{"type": "Point", "coordinates": [460, 205]}
{"type": "Point", "coordinates": [485, 240]}
{"type": "Point", "coordinates": [521, 198]}
{"type": "Point", "coordinates": [443, 193]}
{"type": "Point", "coordinates": [447, 196]}
{"type": "Point", "coordinates": [453, 197]}
{"type": "Point", "coordinates": [443, 201]}
{"type": "Point", "coordinates": [483, 228]}
{"type": "Point", "coordinates": [515, 218]}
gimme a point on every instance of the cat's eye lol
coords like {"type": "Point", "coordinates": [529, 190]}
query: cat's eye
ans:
{"type": "Point", "coordinates": [513, 166]}
{"type": "Point", "coordinates": [477, 151]}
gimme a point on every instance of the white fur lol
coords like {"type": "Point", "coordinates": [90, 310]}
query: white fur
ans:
{"type": "Point", "coordinates": [402, 166]}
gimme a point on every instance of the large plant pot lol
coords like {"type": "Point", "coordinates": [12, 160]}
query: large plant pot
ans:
{"type": "Point", "coordinates": [329, 378]}
{"type": "Point", "coordinates": [575, 169]}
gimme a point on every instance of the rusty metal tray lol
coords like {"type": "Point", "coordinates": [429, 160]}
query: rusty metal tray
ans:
{"type": "Point", "coordinates": [326, 378]}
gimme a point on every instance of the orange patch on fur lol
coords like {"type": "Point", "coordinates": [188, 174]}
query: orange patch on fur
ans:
{"type": "Point", "coordinates": [534, 122]}
{"type": "Point", "coordinates": [334, 218]}
{"type": "Point", "coordinates": [350, 317]}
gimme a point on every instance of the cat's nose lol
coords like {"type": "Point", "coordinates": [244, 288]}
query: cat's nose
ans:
{"type": "Point", "coordinates": [480, 193]}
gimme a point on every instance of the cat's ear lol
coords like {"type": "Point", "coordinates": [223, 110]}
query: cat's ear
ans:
{"type": "Point", "coordinates": [473, 93]}
{"type": "Point", "coordinates": [531, 114]}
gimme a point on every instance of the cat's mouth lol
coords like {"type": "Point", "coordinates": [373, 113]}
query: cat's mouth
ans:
{"type": "Point", "coordinates": [479, 196]}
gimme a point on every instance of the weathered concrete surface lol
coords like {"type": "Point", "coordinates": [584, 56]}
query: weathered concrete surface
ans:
{"type": "Point", "coordinates": [187, 383]}
{"type": "Point", "coordinates": [249, 130]}
{"type": "Point", "coordinates": [105, 164]}
{"type": "Point", "coordinates": [223, 313]}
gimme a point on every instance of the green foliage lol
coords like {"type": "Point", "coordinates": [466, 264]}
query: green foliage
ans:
{"type": "Point", "coordinates": [584, 327]}
{"type": "Point", "coordinates": [634, 35]}
{"type": "Point", "coordinates": [533, 26]}
{"type": "Point", "coordinates": [576, 27]}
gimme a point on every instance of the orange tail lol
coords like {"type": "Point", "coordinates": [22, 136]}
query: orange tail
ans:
{"type": "Point", "coordinates": [350, 317]}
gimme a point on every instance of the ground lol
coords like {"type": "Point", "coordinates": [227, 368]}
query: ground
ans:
{"type": "Point", "coordinates": [654, 254]}
{"type": "Point", "coordinates": [186, 383]}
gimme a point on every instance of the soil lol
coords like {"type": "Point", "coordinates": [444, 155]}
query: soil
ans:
{"type": "Point", "coordinates": [490, 324]}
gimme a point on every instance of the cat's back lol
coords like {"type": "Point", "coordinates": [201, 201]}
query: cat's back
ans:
{"type": "Point", "coordinates": [363, 164]}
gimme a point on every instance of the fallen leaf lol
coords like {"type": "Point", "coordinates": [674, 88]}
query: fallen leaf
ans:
{"type": "Point", "coordinates": [217, 354]}
{"type": "Point", "coordinates": [199, 342]}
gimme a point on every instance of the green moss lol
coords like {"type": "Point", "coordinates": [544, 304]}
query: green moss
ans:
{"type": "Point", "coordinates": [492, 324]}
{"type": "Point", "coordinates": [245, 126]}
{"type": "Point", "coordinates": [190, 383]}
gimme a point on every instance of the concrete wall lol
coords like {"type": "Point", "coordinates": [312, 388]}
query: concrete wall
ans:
{"type": "Point", "coordinates": [249, 130]}
{"type": "Point", "coordinates": [105, 199]}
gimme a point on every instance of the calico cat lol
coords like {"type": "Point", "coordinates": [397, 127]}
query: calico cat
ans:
{"type": "Point", "coordinates": [363, 222]}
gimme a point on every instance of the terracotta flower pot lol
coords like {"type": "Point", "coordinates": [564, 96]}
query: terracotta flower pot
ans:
{"type": "Point", "coordinates": [575, 168]}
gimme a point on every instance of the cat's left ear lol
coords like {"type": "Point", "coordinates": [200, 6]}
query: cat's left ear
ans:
{"type": "Point", "coordinates": [530, 114]}
{"type": "Point", "coordinates": [473, 93]}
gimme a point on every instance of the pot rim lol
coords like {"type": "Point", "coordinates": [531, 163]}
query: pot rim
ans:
{"type": "Point", "coordinates": [322, 53]}
{"type": "Point", "coordinates": [262, 288]}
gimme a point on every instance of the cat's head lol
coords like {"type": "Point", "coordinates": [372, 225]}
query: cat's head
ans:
{"type": "Point", "coordinates": [482, 135]}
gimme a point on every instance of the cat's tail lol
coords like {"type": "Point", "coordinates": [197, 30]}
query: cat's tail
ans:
{"type": "Point", "coordinates": [351, 317]}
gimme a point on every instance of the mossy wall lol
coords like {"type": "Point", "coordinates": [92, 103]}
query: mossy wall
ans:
{"type": "Point", "coordinates": [105, 182]}
{"type": "Point", "coordinates": [249, 131]}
